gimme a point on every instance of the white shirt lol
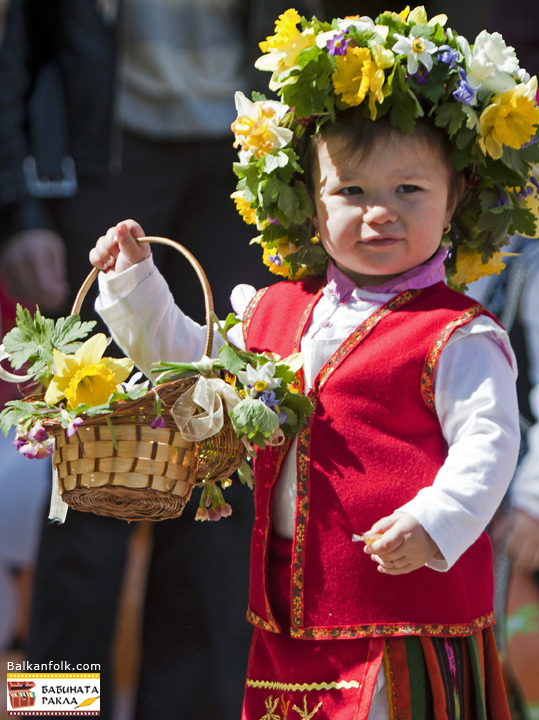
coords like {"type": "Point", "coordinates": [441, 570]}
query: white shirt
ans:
{"type": "Point", "coordinates": [475, 395]}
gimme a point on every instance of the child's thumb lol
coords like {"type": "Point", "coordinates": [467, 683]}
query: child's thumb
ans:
{"type": "Point", "coordinates": [128, 243]}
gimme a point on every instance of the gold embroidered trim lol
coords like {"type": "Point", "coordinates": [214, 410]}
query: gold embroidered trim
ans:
{"type": "Point", "coordinates": [257, 621]}
{"type": "Point", "coordinates": [292, 687]}
{"type": "Point", "coordinates": [303, 451]}
{"type": "Point", "coordinates": [431, 363]}
{"type": "Point", "coordinates": [395, 629]}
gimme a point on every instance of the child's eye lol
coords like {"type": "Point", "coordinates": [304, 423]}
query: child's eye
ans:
{"type": "Point", "coordinates": [352, 190]}
{"type": "Point", "coordinates": [408, 189]}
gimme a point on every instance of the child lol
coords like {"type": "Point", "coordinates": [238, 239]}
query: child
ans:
{"type": "Point", "coordinates": [414, 436]}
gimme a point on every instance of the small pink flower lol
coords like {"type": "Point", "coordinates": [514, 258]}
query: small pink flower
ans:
{"type": "Point", "coordinates": [21, 438]}
{"type": "Point", "coordinates": [157, 422]}
{"type": "Point", "coordinates": [38, 434]}
{"type": "Point", "coordinates": [39, 450]}
{"type": "Point", "coordinates": [202, 514]}
{"type": "Point", "coordinates": [226, 510]}
{"type": "Point", "coordinates": [73, 426]}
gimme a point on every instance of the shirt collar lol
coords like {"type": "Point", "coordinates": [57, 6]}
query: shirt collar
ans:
{"type": "Point", "coordinates": [341, 287]}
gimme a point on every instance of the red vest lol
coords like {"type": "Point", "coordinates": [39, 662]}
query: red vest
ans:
{"type": "Point", "coordinates": [371, 444]}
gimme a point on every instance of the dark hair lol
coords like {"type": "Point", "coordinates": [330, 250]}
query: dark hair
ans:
{"type": "Point", "coordinates": [358, 133]}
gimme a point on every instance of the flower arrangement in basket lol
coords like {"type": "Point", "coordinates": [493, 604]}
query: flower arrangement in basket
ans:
{"type": "Point", "coordinates": [132, 449]}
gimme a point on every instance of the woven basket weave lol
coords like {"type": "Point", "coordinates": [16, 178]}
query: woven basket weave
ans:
{"type": "Point", "coordinates": [141, 472]}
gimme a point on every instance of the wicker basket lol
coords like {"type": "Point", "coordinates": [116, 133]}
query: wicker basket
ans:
{"type": "Point", "coordinates": [141, 472]}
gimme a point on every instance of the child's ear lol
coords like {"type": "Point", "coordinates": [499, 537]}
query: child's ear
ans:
{"type": "Point", "coordinates": [455, 197]}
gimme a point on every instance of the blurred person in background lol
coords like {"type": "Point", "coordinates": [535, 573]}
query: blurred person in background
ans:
{"type": "Point", "coordinates": [119, 108]}
{"type": "Point", "coordinates": [514, 297]}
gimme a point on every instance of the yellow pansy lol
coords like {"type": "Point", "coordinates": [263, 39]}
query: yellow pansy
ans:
{"type": "Point", "coordinates": [274, 257]}
{"type": "Point", "coordinates": [86, 377]}
{"type": "Point", "coordinates": [244, 208]}
{"type": "Point", "coordinates": [470, 266]}
{"type": "Point", "coordinates": [351, 78]}
{"type": "Point", "coordinates": [511, 119]}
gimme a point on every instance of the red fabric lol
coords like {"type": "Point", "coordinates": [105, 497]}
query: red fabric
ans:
{"type": "Point", "coordinates": [8, 391]}
{"type": "Point", "coordinates": [284, 672]}
{"type": "Point", "coordinates": [371, 445]}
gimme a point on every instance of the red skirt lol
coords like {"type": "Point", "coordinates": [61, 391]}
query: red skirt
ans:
{"type": "Point", "coordinates": [427, 678]}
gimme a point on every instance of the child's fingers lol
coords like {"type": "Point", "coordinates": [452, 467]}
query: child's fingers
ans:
{"type": "Point", "coordinates": [400, 566]}
{"type": "Point", "coordinates": [106, 250]}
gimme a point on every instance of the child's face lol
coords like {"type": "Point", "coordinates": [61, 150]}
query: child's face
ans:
{"type": "Point", "coordinates": [382, 213]}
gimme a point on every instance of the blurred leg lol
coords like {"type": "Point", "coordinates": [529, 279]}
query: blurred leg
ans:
{"type": "Point", "coordinates": [523, 634]}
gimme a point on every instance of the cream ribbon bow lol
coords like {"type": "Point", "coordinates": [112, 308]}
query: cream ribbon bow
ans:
{"type": "Point", "coordinates": [207, 394]}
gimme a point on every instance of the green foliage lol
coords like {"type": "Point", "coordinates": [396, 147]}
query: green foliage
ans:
{"type": "Point", "coordinates": [33, 340]}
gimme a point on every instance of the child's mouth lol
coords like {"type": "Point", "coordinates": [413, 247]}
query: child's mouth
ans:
{"type": "Point", "coordinates": [381, 241]}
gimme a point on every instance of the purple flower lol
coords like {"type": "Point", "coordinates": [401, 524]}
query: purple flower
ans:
{"type": "Point", "coordinates": [73, 426]}
{"type": "Point", "coordinates": [38, 434]}
{"type": "Point", "coordinates": [268, 398]}
{"type": "Point", "coordinates": [421, 76]}
{"type": "Point", "coordinates": [157, 422]}
{"type": "Point", "coordinates": [275, 259]}
{"type": "Point", "coordinates": [37, 451]}
{"type": "Point", "coordinates": [502, 198]}
{"type": "Point", "coordinates": [21, 438]}
{"type": "Point", "coordinates": [337, 45]}
{"type": "Point", "coordinates": [465, 93]}
{"type": "Point", "coordinates": [448, 55]}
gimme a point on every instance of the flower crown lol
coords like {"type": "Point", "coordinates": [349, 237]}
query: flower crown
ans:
{"type": "Point", "coordinates": [405, 67]}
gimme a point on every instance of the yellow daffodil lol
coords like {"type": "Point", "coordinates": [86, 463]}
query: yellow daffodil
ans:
{"type": "Point", "coordinates": [86, 377]}
{"type": "Point", "coordinates": [257, 127]}
{"type": "Point", "coordinates": [511, 119]}
{"type": "Point", "coordinates": [243, 206]}
{"type": "Point", "coordinates": [351, 78]}
{"type": "Point", "coordinates": [382, 58]}
{"type": "Point", "coordinates": [418, 15]}
{"type": "Point", "coordinates": [404, 13]}
{"type": "Point", "coordinates": [282, 48]}
{"type": "Point", "coordinates": [470, 266]}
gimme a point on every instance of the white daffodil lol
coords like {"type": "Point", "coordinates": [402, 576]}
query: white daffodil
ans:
{"type": "Point", "coordinates": [417, 49]}
{"type": "Point", "coordinates": [259, 379]}
{"type": "Point", "coordinates": [363, 24]}
{"type": "Point", "coordinates": [257, 128]}
{"type": "Point", "coordinates": [491, 64]}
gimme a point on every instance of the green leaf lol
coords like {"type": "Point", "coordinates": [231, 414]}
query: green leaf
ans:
{"type": "Point", "coordinates": [33, 340]}
{"type": "Point", "coordinates": [231, 359]}
{"type": "Point", "coordinates": [301, 406]}
{"type": "Point", "coordinates": [253, 419]}
{"type": "Point", "coordinates": [245, 474]}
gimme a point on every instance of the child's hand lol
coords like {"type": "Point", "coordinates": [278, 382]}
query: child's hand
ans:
{"type": "Point", "coordinates": [119, 249]}
{"type": "Point", "coordinates": [404, 546]}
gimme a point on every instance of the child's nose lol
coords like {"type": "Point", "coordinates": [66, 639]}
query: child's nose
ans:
{"type": "Point", "coordinates": [379, 213]}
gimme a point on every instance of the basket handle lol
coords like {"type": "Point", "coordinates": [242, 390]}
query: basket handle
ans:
{"type": "Point", "coordinates": [208, 298]}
